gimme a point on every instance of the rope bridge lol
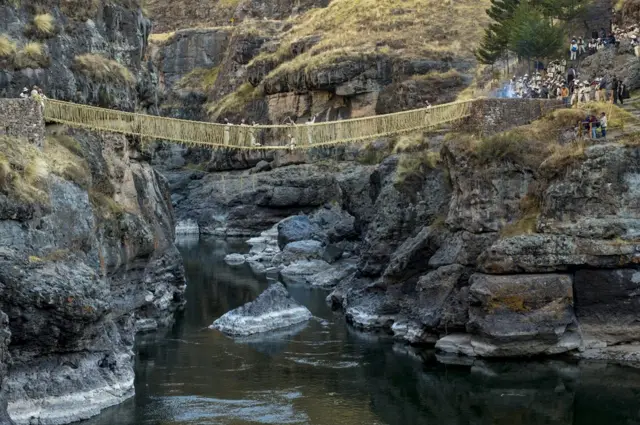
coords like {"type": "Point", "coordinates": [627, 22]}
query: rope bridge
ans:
{"type": "Point", "coordinates": [213, 135]}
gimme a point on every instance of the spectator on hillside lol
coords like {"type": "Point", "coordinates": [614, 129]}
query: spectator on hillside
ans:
{"type": "Point", "coordinates": [573, 50]}
{"type": "Point", "coordinates": [25, 93]}
{"type": "Point", "coordinates": [603, 124]}
{"type": "Point", "coordinates": [615, 87]}
{"type": "Point", "coordinates": [581, 48]}
{"type": "Point", "coordinates": [622, 92]}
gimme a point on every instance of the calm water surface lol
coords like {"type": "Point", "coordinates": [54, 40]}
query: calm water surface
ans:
{"type": "Point", "coordinates": [327, 374]}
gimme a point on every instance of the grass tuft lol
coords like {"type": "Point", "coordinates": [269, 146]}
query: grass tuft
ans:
{"type": "Point", "coordinates": [235, 101]}
{"type": "Point", "coordinates": [103, 70]}
{"type": "Point", "coordinates": [416, 165]}
{"type": "Point", "coordinates": [44, 24]}
{"type": "Point", "coordinates": [32, 55]}
{"type": "Point", "coordinates": [199, 79]}
{"type": "Point", "coordinates": [162, 37]}
{"type": "Point", "coordinates": [7, 47]}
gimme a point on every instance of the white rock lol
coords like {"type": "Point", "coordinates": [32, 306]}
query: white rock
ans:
{"type": "Point", "coordinates": [235, 259]}
{"type": "Point", "coordinates": [187, 227]}
{"type": "Point", "coordinates": [273, 309]}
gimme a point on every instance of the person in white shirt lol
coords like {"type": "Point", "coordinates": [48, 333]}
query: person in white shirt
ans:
{"type": "Point", "coordinates": [25, 93]}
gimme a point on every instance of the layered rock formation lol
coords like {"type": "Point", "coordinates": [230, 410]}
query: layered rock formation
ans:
{"type": "Point", "coordinates": [87, 259]}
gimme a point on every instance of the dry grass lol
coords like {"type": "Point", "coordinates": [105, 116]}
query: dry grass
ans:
{"type": "Point", "coordinates": [416, 165]}
{"type": "Point", "coordinates": [44, 24]}
{"type": "Point", "coordinates": [7, 46]}
{"type": "Point", "coordinates": [64, 158]}
{"type": "Point", "coordinates": [106, 206]}
{"type": "Point", "coordinates": [235, 101]}
{"type": "Point", "coordinates": [101, 69]}
{"type": "Point", "coordinates": [161, 38]}
{"type": "Point", "coordinates": [23, 171]}
{"type": "Point", "coordinates": [32, 55]}
{"type": "Point", "coordinates": [407, 29]}
{"type": "Point", "coordinates": [199, 78]}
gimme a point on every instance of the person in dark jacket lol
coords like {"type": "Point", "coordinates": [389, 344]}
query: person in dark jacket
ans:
{"type": "Point", "coordinates": [615, 87]}
{"type": "Point", "coordinates": [622, 91]}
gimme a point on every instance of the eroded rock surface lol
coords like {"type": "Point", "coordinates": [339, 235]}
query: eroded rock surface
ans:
{"type": "Point", "coordinates": [81, 271]}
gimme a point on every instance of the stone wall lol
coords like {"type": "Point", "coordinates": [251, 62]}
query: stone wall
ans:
{"type": "Point", "coordinates": [22, 118]}
{"type": "Point", "coordinates": [489, 116]}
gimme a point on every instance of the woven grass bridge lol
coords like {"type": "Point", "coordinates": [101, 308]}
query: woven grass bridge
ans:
{"type": "Point", "coordinates": [214, 135]}
{"type": "Point", "coordinates": [304, 136]}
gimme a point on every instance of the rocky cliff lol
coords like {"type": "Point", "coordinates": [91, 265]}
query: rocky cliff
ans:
{"type": "Point", "coordinates": [87, 259]}
{"type": "Point", "coordinates": [86, 53]}
{"type": "Point", "coordinates": [527, 251]}
{"type": "Point", "coordinates": [514, 244]}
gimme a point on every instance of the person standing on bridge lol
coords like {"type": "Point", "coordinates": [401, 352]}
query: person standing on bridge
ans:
{"type": "Point", "coordinates": [292, 142]}
{"type": "Point", "coordinates": [310, 122]}
{"type": "Point", "coordinates": [252, 134]}
{"type": "Point", "coordinates": [241, 133]}
{"type": "Point", "coordinates": [226, 135]}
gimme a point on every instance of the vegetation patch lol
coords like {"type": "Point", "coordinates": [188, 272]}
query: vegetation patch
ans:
{"type": "Point", "coordinates": [32, 55]}
{"type": "Point", "coordinates": [235, 101]}
{"type": "Point", "coordinates": [100, 69]}
{"type": "Point", "coordinates": [8, 47]}
{"type": "Point", "coordinates": [199, 79]}
{"type": "Point", "coordinates": [162, 38]}
{"type": "Point", "coordinates": [415, 165]}
{"type": "Point", "coordinates": [372, 28]}
{"type": "Point", "coordinates": [43, 25]}
{"type": "Point", "coordinates": [23, 171]}
{"type": "Point", "coordinates": [64, 158]}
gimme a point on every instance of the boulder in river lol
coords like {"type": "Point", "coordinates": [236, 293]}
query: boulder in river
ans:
{"type": "Point", "coordinates": [273, 309]}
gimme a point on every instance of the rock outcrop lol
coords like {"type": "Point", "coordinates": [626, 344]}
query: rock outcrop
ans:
{"type": "Point", "coordinates": [473, 271]}
{"type": "Point", "coordinates": [87, 259]}
{"type": "Point", "coordinates": [273, 309]}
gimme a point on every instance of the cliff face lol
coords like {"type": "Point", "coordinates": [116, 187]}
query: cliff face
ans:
{"type": "Point", "coordinates": [516, 259]}
{"type": "Point", "coordinates": [86, 53]}
{"type": "Point", "coordinates": [87, 259]}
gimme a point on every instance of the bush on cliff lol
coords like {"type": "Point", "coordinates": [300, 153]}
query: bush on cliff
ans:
{"type": "Point", "coordinates": [32, 55]}
{"type": "Point", "coordinates": [43, 25]}
{"type": "Point", "coordinates": [24, 169]}
{"type": "Point", "coordinates": [7, 47]}
{"type": "Point", "coordinates": [103, 70]}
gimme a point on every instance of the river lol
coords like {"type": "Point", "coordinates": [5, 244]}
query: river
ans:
{"type": "Point", "coordinates": [325, 373]}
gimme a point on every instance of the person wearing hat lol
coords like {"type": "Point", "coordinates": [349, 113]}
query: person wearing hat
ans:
{"type": "Point", "coordinates": [25, 93]}
{"type": "Point", "coordinates": [573, 49]}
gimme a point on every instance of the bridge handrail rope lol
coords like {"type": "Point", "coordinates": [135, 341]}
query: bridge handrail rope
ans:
{"type": "Point", "coordinates": [215, 135]}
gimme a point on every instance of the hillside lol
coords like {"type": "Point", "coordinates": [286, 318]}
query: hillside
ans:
{"type": "Point", "coordinates": [292, 60]}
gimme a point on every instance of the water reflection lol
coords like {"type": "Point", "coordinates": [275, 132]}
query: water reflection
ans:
{"type": "Point", "coordinates": [323, 372]}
